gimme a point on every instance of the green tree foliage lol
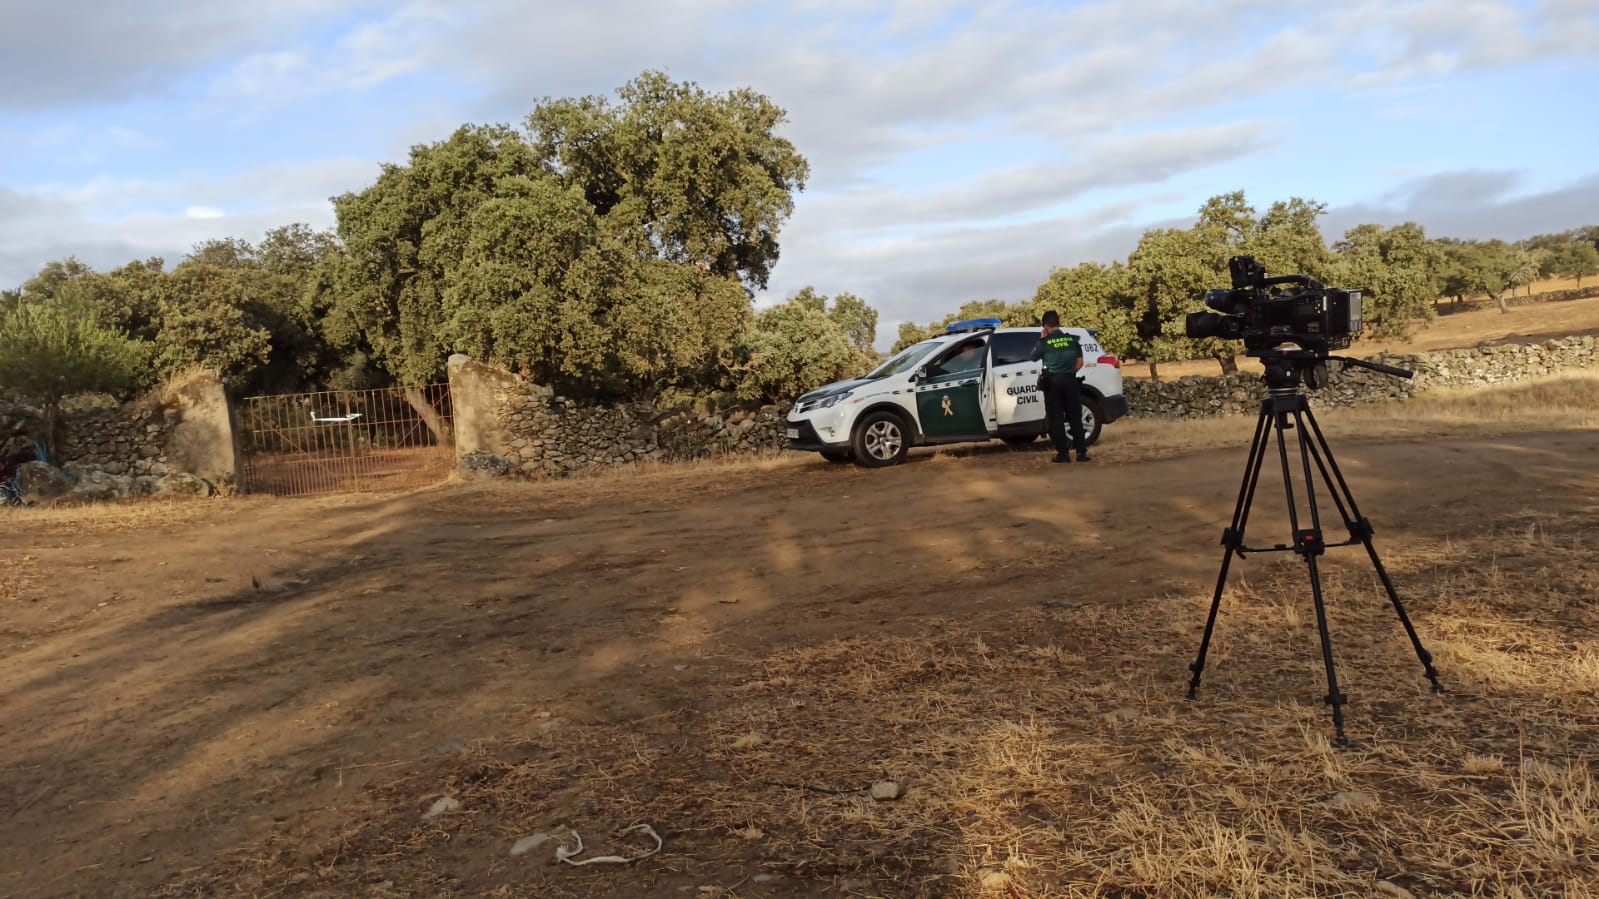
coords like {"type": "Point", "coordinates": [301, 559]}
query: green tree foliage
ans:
{"type": "Point", "coordinates": [1579, 259]}
{"type": "Point", "coordinates": [125, 299]}
{"type": "Point", "coordinates": [1287, 240]}
{"type": "Point", "coordinates": [1011, 315]}
{"type": "Point", "coordinates": [1396, 270]}
{"type": "Point", "coordinates": [1167, 274]}
{"type": "Point", "coordinates": [243, 310]}
{"type": "Point", "coordinates": [677, 173]}
{"type": "Point", "coordinates": [1093, 296]}
{"type": "Point", "coordinates": [204, 323]}
{"type": "Point", "coordinates": [1525, 268]}
{"type": "Point", "coordinates": [858, 321]}
{"type": "Point", "coordinates": [1478, 267]}
{"type": "Point", "coordinates": [606, 250]}
{"type": "Point", "coordinates": [404, 241]}
{"type": "Point", "coordinates": [794, 347]}
{"type": "Point", "coordinates": [228, 306]}
{"type": "Point", "coordinates": [55, 348]}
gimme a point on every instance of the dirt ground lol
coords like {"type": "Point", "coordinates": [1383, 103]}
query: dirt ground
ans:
{"type": "Point", "coordinates": [265, 697]}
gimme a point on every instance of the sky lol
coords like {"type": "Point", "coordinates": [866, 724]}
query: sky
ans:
{"type": "Point", "coordinates": [958, 151]}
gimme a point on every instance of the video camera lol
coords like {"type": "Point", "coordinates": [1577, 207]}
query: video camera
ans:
{"type": "Point", "coordinates": [1268, 312]}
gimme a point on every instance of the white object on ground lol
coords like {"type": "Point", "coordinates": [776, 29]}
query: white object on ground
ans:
{"type": "Point", "coordinates": [563, 854]}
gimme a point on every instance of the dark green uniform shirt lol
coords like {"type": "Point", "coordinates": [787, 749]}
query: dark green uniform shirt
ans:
{"type": "Point", "coordinates": [1060, 352]}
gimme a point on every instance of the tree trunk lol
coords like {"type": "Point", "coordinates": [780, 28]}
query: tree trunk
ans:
{"type": "Point", "coordinates": [50, 434]}
{"type": "Point", "coordinates": [429, 415]}
{"type": "Point", "coordinates": [1154, 371]}
{"type": "Point", "coordinates": [1229, 363]}
{"type": "Point", "coordinates": [1499, 298]}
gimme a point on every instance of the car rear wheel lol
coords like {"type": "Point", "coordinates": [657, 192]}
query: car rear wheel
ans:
{"type": "Point", "coordinates": [881, 439]}
{"type": "Point", "coordinates": [1093, 420]}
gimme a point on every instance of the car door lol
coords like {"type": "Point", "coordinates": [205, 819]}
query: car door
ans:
{"type": "Point", "coordinates": [1014, 380]}
{"type": "Point", "coordinates": [949, 398]}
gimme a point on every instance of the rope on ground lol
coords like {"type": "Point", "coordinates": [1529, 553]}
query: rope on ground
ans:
{"type": "Point", "coordinates": [563, 854]}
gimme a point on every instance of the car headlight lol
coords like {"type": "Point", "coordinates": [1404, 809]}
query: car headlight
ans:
{"type": "Point", "coordinates": [832, 401]}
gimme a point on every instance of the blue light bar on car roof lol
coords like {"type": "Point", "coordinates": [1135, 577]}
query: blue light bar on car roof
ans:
{"type": "Point", "coordinates": [975, 324]}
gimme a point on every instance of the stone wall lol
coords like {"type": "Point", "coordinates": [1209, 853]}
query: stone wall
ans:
{"type": "Point", "coordinates": [126, 439]}
{"type": "Point", "coordinates": [1484, 366]}
{"type": "Point", "coordinates": [507, 425]}
{"type": "Point", "coordinates": [1451, 306]}
{"type": "Point", "coordinates": [178, 440]}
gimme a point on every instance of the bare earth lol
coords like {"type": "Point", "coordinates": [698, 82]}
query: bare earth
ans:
{"type": "Point", "coordinates": [263, 697]}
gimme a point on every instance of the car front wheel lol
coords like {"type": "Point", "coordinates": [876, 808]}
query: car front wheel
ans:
{"type": "Point", "coordinates": [880, 440]}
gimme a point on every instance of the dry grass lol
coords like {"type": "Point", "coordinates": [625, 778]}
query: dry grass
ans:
{"type": "Point", "coordinates": [1053, 755]}
{"type": "Point", "coordinates": [106, 518]}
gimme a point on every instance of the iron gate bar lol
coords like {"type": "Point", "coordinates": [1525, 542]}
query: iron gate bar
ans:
{"type": "Point", "coordinates": [346, 441]}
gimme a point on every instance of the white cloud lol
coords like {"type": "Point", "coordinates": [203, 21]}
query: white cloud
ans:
{"type": "Point", "coordinates": [70, 52]}
{"type": "Point", "coordinates": [1475, 205]}
{"type": "Point", "coordinates": [108, 222]}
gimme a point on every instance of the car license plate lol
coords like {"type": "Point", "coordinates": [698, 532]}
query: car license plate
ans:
{"type": "Point", "coordinates": [793, 433]}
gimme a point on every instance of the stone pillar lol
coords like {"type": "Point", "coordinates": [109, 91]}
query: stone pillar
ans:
{"type": "Point", "coordinates": [473, 385]}
{"type": "Point", "coordinates": [204, 442]}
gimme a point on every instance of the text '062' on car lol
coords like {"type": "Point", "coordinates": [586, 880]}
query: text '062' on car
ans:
{"type": "Point", "coordinates": [976, 382]}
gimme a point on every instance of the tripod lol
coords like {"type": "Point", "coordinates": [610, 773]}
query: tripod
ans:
{"type": "Point", "coordinates": [1286, 408]}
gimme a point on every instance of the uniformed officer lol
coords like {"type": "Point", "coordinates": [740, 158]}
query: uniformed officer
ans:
{"type": "Point", "coordinates": [1063, 405]}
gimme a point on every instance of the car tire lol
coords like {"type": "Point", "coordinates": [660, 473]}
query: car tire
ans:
{"type": "Point", "coordinates": [881, 439]}
{"type": "Point", "coordinates": [1093, 420]}
{"type": "Point", "coordinates": [838, 457]}
{"type": "Point", "coordinates": [1020, 440]}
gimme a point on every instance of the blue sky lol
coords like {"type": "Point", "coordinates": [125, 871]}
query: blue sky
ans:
{"type": "Point", "coordinates": [958, 151]}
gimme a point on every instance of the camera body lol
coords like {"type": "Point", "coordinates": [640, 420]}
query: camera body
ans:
{"type": "Point", "coordinates": [1267, 312]}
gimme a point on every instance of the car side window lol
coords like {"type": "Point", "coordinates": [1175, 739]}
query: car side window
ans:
{"type": "Point", "coordinates": [967, 356]}
{"type": "Point", "coordinates": [1013, 347]}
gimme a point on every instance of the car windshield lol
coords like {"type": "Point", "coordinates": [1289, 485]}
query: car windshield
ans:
{"type": "Point", "coordinates": [906, 360]}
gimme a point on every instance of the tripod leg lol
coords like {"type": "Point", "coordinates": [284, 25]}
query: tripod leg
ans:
{"type": "Point", "coordinates": [1360, 529]}
{"type": "Point", "coordinates": [1310, 544]}
{"type": "Point", "coordinates": [1233, 538]}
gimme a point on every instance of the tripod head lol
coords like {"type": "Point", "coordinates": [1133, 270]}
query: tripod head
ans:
{"type": "Point", "coordinates": [1287, 367]}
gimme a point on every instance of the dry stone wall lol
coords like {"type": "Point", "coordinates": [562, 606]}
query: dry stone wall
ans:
{"type": "Point", "coordinates": [1484, 366]}
{"type": "Point", "coordinates": [551, 435]}
{"type": "Point", "coordinates": [130, 439]}
{"type": "Point", "coordinates": [517, 427]}
{"type": "Point", "coordinates": [178, 442]}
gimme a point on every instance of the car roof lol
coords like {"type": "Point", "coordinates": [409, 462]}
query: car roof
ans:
{"type": "Point", "coordinates": [978, 333]}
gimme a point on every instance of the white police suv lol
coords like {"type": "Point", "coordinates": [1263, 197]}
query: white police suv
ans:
{"type": "Point", "coordinates": [974, 383]}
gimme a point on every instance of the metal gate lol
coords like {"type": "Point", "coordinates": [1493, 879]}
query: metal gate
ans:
{"type": "Point", "coordinates": [347, 441]}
